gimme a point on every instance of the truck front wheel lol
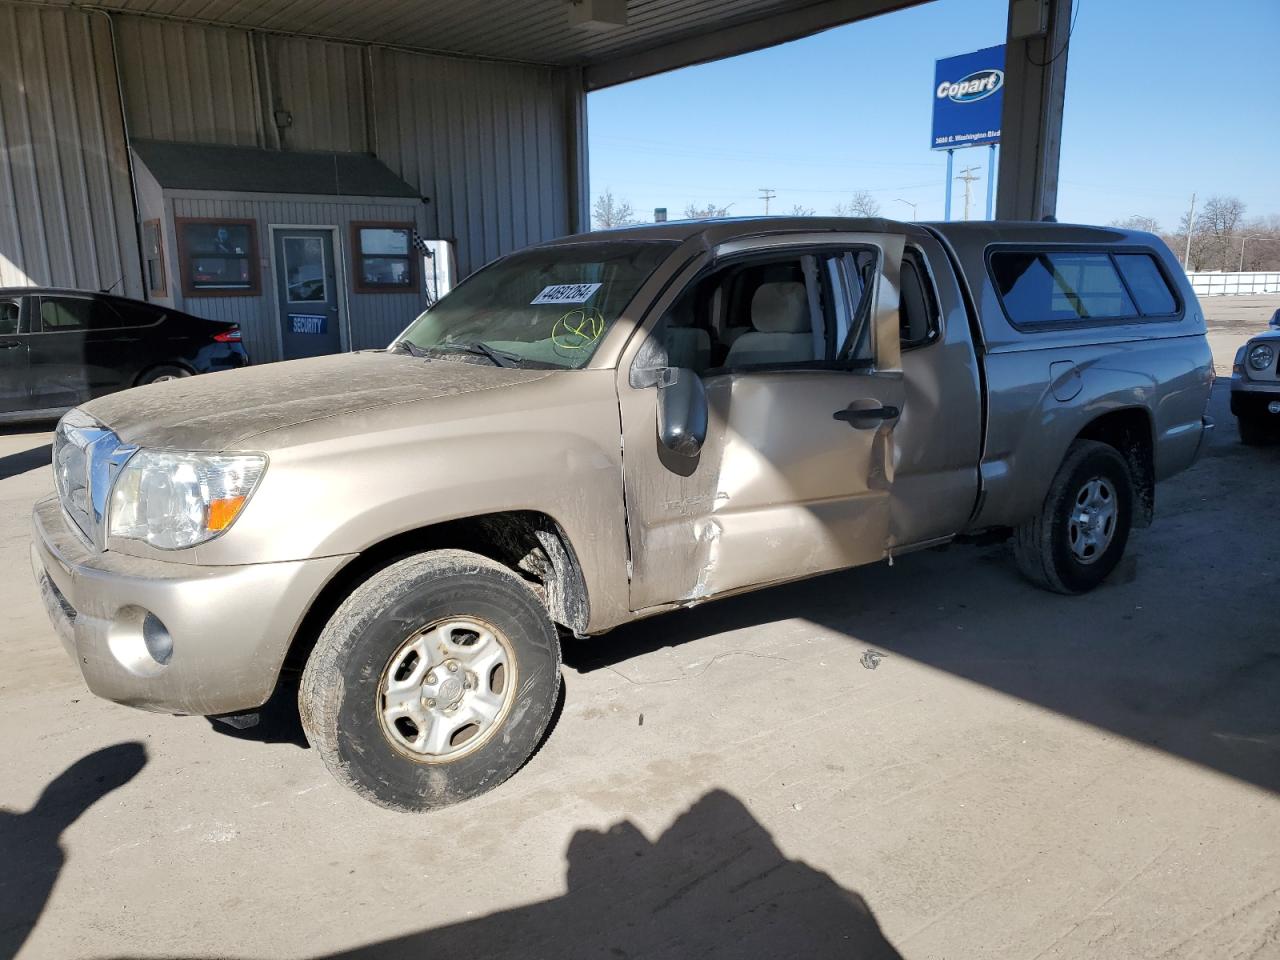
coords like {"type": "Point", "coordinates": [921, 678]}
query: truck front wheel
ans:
{"type": "Point", "coordinates": [433, 682]}
{"type": "Point", "coordinates": [1080, 533]}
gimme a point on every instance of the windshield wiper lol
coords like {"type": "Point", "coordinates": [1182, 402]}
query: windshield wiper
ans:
{"type": "Point", "coordinates": [500, 358]}
{"type": "Point", "coordinates": [410, 348]}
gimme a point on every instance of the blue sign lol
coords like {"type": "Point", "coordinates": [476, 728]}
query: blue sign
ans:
{"type": "Point", "coordinates": [308, 323]}
{"type": "Point", "coordinates": [968, 97]}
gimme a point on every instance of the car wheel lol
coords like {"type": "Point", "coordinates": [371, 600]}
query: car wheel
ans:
{"type": "Point", "coordinates": [433, 682]}
{"type": "Point", "coordinates": [1081, 531]}
{"type": "Point", "coordinates": [1256, 432]}
{"type": "Point", "coordinates": [162, 373]}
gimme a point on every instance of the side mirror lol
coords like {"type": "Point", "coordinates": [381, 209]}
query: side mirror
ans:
{"type": "Point", "coordinates": [682, 411]}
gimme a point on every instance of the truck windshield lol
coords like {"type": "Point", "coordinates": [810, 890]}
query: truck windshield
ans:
{"type": "Point", "coordinates": [549, 306]}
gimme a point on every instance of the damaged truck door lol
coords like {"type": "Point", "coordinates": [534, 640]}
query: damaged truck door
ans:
{"type": "Point", "coordinates": [796, 342]}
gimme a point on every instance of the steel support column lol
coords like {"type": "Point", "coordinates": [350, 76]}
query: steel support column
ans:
{"type": "Point", "coordinates": [1035, 80]}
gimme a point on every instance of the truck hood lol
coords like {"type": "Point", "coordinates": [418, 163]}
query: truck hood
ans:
{"type": "Point", "coordinates": [219, 411]}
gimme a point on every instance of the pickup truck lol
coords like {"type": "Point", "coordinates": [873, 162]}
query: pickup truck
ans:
{"type": "Point", "coordinates": [599, 429]}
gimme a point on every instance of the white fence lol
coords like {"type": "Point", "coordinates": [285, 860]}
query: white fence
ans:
{"type": "Point", "coordinates": [1233, 284]}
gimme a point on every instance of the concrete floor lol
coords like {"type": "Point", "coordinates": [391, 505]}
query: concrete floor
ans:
{"type": "Point", "coordinates": [1016, 775]}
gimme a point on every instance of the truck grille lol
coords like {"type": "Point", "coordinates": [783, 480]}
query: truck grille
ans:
{"type": "Point", "coordinates": [86, 458]}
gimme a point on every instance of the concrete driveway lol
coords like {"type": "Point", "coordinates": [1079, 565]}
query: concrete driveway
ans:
{"type": "Point", "coordinates": [933, 760]}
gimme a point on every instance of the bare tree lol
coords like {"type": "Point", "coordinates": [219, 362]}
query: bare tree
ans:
{"type": "Point", "coordinates": [799, 210]}
{"type": "Point", "coordinates": [861, 204]}
{"type": "Point", "coordinates": [609, 212]}
{"type": "Point", "coordinates": [709, 212]}
{"type": "Point", "coordinates": [1218, 223]}
{"type": "Point", "coordinates": [1138, 222]}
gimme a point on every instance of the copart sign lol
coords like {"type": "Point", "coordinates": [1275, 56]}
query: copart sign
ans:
{"type": "Point", "coordinates": [968, 97]}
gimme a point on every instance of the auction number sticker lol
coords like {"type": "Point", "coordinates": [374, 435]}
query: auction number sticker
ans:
{"type": "Point", "coordinates": [566, 293]}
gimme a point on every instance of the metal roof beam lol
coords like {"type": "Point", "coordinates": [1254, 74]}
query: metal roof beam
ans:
{"type": "Point", "coordinates": [740, 38]}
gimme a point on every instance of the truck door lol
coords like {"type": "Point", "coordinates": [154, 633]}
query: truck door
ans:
{"type": "Point", "coordinates": [796, 342]}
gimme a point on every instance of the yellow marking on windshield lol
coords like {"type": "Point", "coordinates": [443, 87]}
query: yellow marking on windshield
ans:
{"type": "Point", "coordinates": [577, 329]}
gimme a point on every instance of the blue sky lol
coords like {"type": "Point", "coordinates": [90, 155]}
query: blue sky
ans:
{"type": "Point", "coordinates": [1164, 97]}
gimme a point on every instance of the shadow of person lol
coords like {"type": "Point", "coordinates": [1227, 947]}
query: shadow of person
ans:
{"type": "Point", "coordinates": [714, 885]}
{"type": "Point", "coordinates": [30, 847]}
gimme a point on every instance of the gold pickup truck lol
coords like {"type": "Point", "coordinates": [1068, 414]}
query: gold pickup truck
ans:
{"type": "Point", "coordinates": [596, 430]}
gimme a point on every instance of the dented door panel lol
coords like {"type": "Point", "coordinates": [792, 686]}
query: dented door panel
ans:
{"type": "Point", "coordinates": [784, 487]}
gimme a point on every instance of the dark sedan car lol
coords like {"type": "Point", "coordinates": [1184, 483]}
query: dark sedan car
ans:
{"type": "Point", "coordinates": [59, 348]}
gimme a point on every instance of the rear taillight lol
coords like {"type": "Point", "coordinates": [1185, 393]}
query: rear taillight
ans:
{"type": "Point", "coordinates": [228, 336]}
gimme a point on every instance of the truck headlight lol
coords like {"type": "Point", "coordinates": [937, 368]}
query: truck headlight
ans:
{"type": "Point", "coordinates": [173, 500]}
{"type": "Point", "coordinates": [1261, 356]}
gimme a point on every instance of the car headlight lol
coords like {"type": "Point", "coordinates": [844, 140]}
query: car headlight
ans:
{"type": "Point", "coordinates": [173, 500]}
{"type": "Point", "coordinates": [1261, 357]}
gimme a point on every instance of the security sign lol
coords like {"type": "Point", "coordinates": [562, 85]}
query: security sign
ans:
{"type": "Point", "coordinates": [968, 97]}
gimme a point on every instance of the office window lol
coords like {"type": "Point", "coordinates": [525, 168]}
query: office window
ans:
{"type": "Point", "coordinates": [219, 257]}
{"type": "Point", "coordinates": [384, 257]}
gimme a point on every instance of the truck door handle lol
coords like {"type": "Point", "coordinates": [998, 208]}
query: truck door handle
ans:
{"type": "Point", "coordinates": [859, 418]}
{"type": "Point", "coordinates": [9, 344]}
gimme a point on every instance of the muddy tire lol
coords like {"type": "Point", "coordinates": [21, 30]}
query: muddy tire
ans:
{"type": "Point", "coordinates": [1081, 530]}
{"type": "Point", "coordinates": [1256, 432]}
{"type": "Point", "coordinates": [433, 682]}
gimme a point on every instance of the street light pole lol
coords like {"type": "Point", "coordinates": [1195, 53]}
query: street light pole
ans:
{"type": "Point", "coordinates": [1243, 241]}
{"type": "Point", "coordinates": [909, 204]}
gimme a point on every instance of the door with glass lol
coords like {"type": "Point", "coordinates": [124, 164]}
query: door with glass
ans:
{"type": "Point", "coordinates": [307, 291]}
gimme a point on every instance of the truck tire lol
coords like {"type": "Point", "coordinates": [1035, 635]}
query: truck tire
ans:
{"type": "Point", "coordinates": [432, 682]}
{"type": "Point", "coordinates": [1080, 533]}
{"type": "Point", "coordinates": [1256, 432]}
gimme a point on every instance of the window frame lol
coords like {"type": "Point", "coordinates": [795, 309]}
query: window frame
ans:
{"type": "Point", "coordinates": [95, 303]}
{"type": "Point", "coordinates": [358, 257]}
{"type": "Point", "coordinates": [1082, 323]}
{"type": "Point", "coordinates": [929, 285]}
{"type": "Point", "coordinates": [163, 289]}
{"type": "Point", "coordinates": [20, 301]}
{"type": "Point", "coordinates": [184, 258]}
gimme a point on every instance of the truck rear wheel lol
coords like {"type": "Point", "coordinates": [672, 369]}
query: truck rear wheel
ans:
{"type": "Point", "coordinates": [433, 682]}
{"type": "Point", "coordinates": [1081, 531]}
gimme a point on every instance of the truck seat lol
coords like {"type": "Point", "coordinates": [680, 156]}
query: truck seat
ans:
{"type": "Point", "coordinates": [781, 331]}
{"type": "Point", "coordinates": [687, 346]}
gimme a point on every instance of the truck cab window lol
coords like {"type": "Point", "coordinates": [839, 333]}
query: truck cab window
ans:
{"type": "Point", "coordinates": [808, 308]}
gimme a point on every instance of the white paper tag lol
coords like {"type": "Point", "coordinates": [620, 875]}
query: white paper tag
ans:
{"type": "Point", "coordinates": [566, 293]}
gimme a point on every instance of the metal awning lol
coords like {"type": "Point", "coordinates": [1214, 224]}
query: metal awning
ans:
{"type": "Point", "coordinates": [657, 35]}
{"type": "Point", "coordinates": [204, 166]}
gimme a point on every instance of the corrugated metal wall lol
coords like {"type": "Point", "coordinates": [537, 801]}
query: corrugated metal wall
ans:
{"type": "Point", "coordinates": [375, 318]}
{"type": "Point", "coordinates": [66, 213]}
{"type": "Point", "coordinates": [190, 83]}
{"type": "Point", "coordinates": [322, 85]}
{"type": "Point", "coordinates": [495, 146]}
{"type": "Point", "coordinates": [488, 143]}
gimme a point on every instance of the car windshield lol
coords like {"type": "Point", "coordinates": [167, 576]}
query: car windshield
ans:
{"type": "Point", "coordinates": [549, 306]}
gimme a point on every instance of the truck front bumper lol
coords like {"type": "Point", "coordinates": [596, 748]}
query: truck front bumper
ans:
{"type": "Point", "coordinates": [171, 637]}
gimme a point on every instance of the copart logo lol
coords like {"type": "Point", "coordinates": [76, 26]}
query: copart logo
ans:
{"type": "Point", "coordinates": [976, 86]}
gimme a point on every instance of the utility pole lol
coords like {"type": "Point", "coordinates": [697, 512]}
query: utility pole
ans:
{"type": "Point", "coordinates": [968, 177]}
{"type": "Point", "coordinates": [1191, 222]}
{"type": "Point", "coordinates": [766, 195]}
